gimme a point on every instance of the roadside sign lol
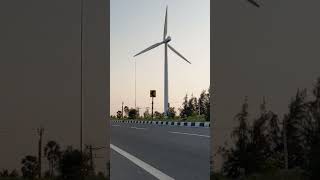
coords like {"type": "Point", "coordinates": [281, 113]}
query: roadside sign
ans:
{"type": "Point", "coordinates": [152, 93]}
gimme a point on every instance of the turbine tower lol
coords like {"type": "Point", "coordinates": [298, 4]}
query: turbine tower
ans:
{"type": "Point", "coordinates": [165, 41]}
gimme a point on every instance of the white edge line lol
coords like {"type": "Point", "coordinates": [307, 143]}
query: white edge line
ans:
{"type": "Point", "coordinates": [153, 171]}
{"type": "Point", "coordinates": [137, 128]}
{"type": "Point", "coordinates": [190, 134]}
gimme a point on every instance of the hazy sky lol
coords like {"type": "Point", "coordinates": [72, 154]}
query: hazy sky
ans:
{"type": "Point", "coordinates": [271, 52]}
{"type": "Point", "coordinates": [40, 77]}
{"type": "Point", "coordinates": [135, 25]}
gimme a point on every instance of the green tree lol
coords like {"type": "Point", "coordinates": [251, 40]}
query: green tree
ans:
{"type": "Point", "coordinates": [312, 133]}
{"type": "Point", "coordinates": [30, 167]}
{"type": "Point", "coordinates": [171, 112]}
{"type": "Point", "coordinates": [264, 141]}
{"type": "Point", "coordinates": [185, 111]}
{"type": "Point", "coordinates": [237, 158]}
{"type": "Point", "coordinates": [119, 114]}
{"type": "Point", "coordinates": [53, 154]}
{"type": "Point", "coordinates": [294, 129]}
{"type": "Point", "coordinates": [146, 114]}
{"type": "Point", "coordinates": [207, 106]}
{"type": "Point", "coordinates": [193, 106]}
{"type": "Point", "coordinates": [133, 114]}
{"type": "Point", "coordinates": [202, 102]}
{"type": "Point", "coordinates": [275, 141]}
{"type": "Point", "coordinates": [73, 164]}
{"type": "Point", "coordinates": [158, 115]}
{"type": "Point", "coordinates": [126, 111]}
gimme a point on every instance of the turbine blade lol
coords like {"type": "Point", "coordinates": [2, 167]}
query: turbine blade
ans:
{"type": "Point", "coordinates": [254, 3]}
{"type": "Point", "coordinates": [149, 48]}
{"type": "Point", "coordinates": [165, 25]}
{"type": "Point", "coordinates": [178, 53]}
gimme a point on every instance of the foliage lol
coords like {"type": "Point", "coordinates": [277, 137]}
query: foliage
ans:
{"type": "Point", "coordinates": [73, 164]}
{"type": "Point", "coordinates": [193, 106]}
{"type": "Point", "coordinates": [294, 129]}
{"type": "Point", "coordinates": [146, 114]}
{"type": "Point", "coordinates": [258, 151]}
{"type": "Point", "coordinates": [126, 111]}
{"type": "Point", "coordinates": [185, 110]}
{"type": "Point", "coordinates": [158, 115]}
{"type": "Point", "coordinates": [196, 118]}
{"type": "Point", "coordinates": [119, 114]}
{"type": "Point", "coordinates": [171, 112]}
{"type": "Point", "coordinates": [312, 133]}
{"type": "Point", "coordinates": [257, 147]}
{"type": "Point", "coordinates": [53, 154]}
{"type": "Point", "coordinates": [14, 173]}
{"type": "Point", "coordinates": [30, 167]}
{"type": "Point", "coordinates": [4, 173]}
{"type": "Point", "coordinates": [237, 158]}
{"type": "Point", "coordinates": [133, 114]}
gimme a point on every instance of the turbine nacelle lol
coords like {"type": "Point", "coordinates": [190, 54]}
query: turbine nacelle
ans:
{"type": "Point", "coordinates": [168, 39]}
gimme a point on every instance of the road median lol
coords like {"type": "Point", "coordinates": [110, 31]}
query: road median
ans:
{"type": "Point", "coordinates": [169, 123]}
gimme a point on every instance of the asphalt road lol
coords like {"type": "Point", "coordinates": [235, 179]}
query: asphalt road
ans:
{"type": "Point", "coordinates": [144, 151]}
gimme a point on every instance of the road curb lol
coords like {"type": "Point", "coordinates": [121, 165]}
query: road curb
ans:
{"type": "Point", "coordinates": [185, 124]}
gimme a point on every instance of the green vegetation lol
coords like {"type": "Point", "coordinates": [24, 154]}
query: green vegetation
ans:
{"type": "Point", "coordinates": [69, 164]}
{"type": "Point", "coordinates": [293, 174]}
{"type": "Point", "coordinates": [193, 109]}
{"type": "Point", "coordinates": [85, 178]}
{"type": "Point", "coordinates": [265, 148]}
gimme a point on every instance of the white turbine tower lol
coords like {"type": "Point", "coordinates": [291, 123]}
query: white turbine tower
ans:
{"type": "Point", "coordinates": [165, 41]}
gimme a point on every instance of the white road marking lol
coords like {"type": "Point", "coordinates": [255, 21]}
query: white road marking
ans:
{"type": "Point", "coordinates": [116, 125]}
{"type": "Point", "coordinates": [190, 134]}
{"type": "Point", "coordinates": [138, 128]}
{"type": "Point", "coordinates": [153, 171]}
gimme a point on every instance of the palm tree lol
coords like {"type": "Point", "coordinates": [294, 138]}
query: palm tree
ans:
{"type": "Point", "coordinates": [53, 154]}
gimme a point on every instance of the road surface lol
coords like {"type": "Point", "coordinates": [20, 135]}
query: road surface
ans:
{"type": "Point", "coordinates": [146, 151]}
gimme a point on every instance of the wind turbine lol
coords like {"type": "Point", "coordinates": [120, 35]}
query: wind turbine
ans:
{"type": "Point", "coordinates": [165, 41]}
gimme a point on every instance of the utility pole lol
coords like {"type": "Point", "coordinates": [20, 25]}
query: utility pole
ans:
{"type": "Point", "coordinates": [135, 85]}
{"type": "Point", "coordinates": [122, 111]}
{"type": "Point", "coordinates": [88, 149]}
{"type": "Point", "coordinates": [40, 133]}
{"type": "Point", "coordinates": [91, 159]}
{"type": "Point", "coordinates": [91, 149]}
{"type": "Point", "coordinates": [152, 95]}
{"type": "Point", "coordinates": [138, 109]}
{"type": "Point", "coordinates": [81, 86]}
{"type": "Point", "coordinates": [168, 111]}
{"type": "Point", "coordinates": [152, 109]}
{"type": "Point", "coordinates": [81, 75]}
{"type": "Point", "coordinates": [285, 142]}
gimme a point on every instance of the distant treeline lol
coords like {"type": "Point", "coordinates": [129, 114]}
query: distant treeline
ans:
{"type": "Point", "coordinates": [192, 108]}
{"type": "Point", "coordinates": [270, 147]}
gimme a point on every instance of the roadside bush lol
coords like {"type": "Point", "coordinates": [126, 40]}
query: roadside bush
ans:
{"type": "Point", "coordinates": [133, 114]}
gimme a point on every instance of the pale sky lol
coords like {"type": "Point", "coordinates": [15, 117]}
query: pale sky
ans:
{"type": "Point", "coordinates": [135, 25]}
